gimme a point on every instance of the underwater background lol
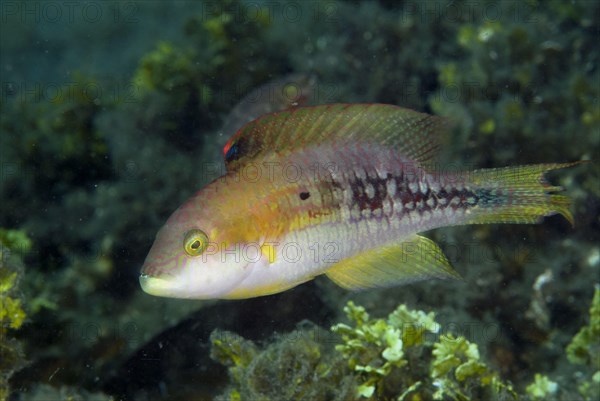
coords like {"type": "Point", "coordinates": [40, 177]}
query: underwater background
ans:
{"type": "Point", "coordinates": [113, 113]}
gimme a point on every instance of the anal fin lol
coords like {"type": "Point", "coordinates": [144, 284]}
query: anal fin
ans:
{"type": "Point", "coordinates": [417, 258]}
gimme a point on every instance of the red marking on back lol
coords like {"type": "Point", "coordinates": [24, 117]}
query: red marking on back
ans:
{"type": "Point", "coordinates": [227, 146]}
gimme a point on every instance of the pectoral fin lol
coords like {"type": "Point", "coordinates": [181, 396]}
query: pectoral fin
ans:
{"type": "Point", "coordinates": [268, 251]}
{"type": "Point", "coordinates": [415, 259]}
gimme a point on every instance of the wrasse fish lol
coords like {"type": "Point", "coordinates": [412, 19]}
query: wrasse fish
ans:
{"type": "Point", "coordinates": [341, 190]}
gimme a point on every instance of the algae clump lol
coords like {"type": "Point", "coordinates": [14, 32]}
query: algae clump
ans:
{"type": "Point", "coordinates": [295, 367]}
{"type": "Point", "coordinates": [13, 243]}
{"type": "Point", "coordinates": [404, 357]}
{"type": "Point", "coordinates": [400, 358]}
{"type": "Point", "coordinates": [584, 349]}
{"type": "Point", "coordinates": [542, 387]}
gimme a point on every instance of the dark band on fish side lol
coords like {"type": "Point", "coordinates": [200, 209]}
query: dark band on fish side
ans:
{"type": "Point", "coordinates": [370, 193]}
{"type": "Point", "coordinates": [304, 195]}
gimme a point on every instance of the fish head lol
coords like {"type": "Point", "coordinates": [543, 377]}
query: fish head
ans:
{"type": "Point", "coordinates": [196, 254]}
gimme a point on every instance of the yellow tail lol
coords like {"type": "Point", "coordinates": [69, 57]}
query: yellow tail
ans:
{"type": "Point", "coordinates": [518, 195]}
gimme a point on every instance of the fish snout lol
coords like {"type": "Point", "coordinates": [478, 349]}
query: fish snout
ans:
{"type": "Point", "coordinates": [198, 281]}
{"type": "Point", "coordinates": [155, 285]}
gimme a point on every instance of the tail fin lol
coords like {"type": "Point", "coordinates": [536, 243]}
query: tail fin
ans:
{"type": "Point", "coordinates": [518, 195]}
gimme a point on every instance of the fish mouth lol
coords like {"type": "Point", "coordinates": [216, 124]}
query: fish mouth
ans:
{"type": "Point", "coordinates": [156, 286]}
{"type": "Point", "coordinates": [177, 287]}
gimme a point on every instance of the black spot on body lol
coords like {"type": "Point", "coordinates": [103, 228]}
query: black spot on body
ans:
{"type": "Point", "coordinates": [304, 195]}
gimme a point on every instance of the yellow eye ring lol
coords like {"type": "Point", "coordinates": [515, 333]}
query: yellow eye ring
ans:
{"type": "Point", "coordinates": [195, 242]}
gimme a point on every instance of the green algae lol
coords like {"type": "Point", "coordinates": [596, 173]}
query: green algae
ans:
{"type": "Point", "coordinates": [13, 245]}
{"type": "Point", "coordinates": [402, 357]}
{"type": "Point", "coordinates": [406, 354]}
{"type": "Point", "coordinates": [541, 388]}
{"type": "Point", "coordinates": [584, 349]}
{"type": "Point", "coordinates": [460, 374]}
{"type": "Point", "coordinates": [294, 367]}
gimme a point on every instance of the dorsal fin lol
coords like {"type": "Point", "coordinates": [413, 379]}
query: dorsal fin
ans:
{"type": "Point", "coordinates": [415, 135]}
{"type": "Point", "coordinates": [290, 91]}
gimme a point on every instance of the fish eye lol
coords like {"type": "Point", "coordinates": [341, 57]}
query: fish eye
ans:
{"type": "Point", "coordinates": [195, 242]}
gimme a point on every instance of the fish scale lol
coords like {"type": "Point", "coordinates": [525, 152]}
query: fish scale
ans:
{"type": "Point", "coordinates": [413, 203]}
